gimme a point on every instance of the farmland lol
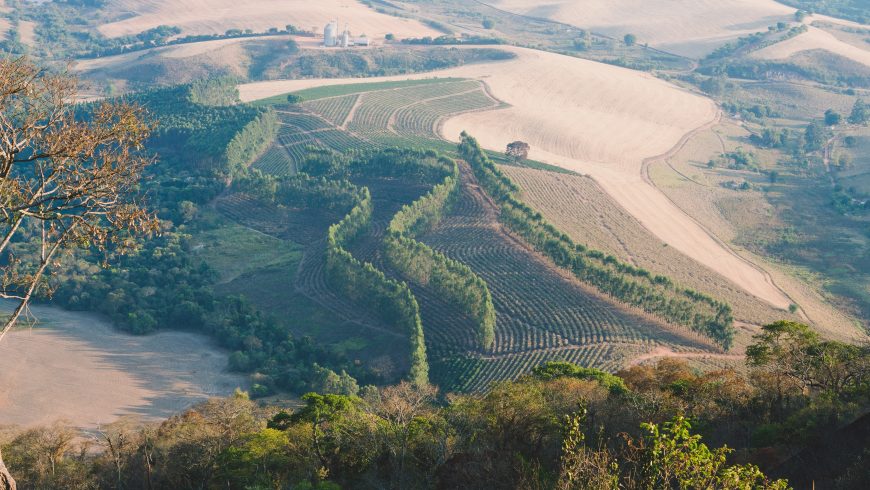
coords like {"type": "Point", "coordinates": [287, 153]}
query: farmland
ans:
{"type": "Point", "coordinates": [372, 116]}
{"type": "Point", "coordinates": [542, 314]}
{"type": "Point", "coordinates": [687, 27]}
{"type": "Point", "coordinates": [207, 17]}
{"type": "Point", "coordinates": [558, 318]}
{"type": "Point", "coordinates": [578, 206]}
{"type": "Point", "coordinates": [548, 97]}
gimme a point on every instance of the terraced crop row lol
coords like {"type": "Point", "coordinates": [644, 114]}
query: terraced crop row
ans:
{"type": "Point", "coordinates": [303, 121]}
{"type": "Point", "coordinates": [419, 108]}
{"type": "Point", "coordinates": [333, 109]}
{"type": "Point", "coordinates": [422, 119]}
{"type": "Point", "coordinates": [578, 206]}
{"type": "Point", "coordinates": [542, 314]}
{"type": "Point", "coordinates": [276, 161]}
{"type": "Point", "coordinates": [476, 374]}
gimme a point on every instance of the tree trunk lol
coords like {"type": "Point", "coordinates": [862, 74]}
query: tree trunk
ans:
{"type": "Point", "coordinates": [6, 480]}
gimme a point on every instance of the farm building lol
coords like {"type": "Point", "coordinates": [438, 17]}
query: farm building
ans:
{"type": "Point", "coordinates": [333, 39]}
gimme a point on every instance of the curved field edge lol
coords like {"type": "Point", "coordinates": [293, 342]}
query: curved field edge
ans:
{"type": "Point", "coordinates": [364, 284]}
{"type": "Point", "coordinates": [654, 294]}
{"type": "Point", "coordinates": [452, 280]}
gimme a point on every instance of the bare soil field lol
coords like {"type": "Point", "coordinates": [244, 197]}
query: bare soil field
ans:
{"type": "Point", "coordinates": [76, 367]}
{"type": "Point", "coordinates": [691, 28]}
{"type": "Point", "coordinates": [814, 38]}
{"type": "Point", "coordinates": [26, 31]}
{"type": "Point", "coordinates": [217, 16]}
{"type": "Point", "coordinates": [176, 52]}
{"type": "Point", "coordinates": [596, 119]}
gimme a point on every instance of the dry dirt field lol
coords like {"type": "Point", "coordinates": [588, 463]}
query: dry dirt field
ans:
{"type": "Point", "coordinates": [687, 27]}
{"type": "Point", "coordinates": [74, 366]}
{"type": "Point", "coordinates": [814, 38]}
{"type": "Point", "coordinates": [26, 32]}
{"type": "Point", "coordinates": [596, 119]}
{"type": "Point", "coordinates": [217, 16]}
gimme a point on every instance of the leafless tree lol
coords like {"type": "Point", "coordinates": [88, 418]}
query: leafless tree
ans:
{"type": "Point", "coordinates": [66, 181]}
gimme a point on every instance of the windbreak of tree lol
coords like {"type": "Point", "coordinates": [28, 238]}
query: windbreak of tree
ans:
{"type": "Point", "coordinates": [655, 294]}
{"type": "Point", "coordinates": [565, 427]}
{"type": "Point", "coordinates": [364, 284]}
{"type": "Point", "coordinates": [159, 283]}
{"type": "Point", "coordinates": [449, 278]}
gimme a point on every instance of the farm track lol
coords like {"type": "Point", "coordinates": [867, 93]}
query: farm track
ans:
{"type": "Point", "coordinates": [665, 157]}
{"type": "Point", "coordinates": [543, 312]}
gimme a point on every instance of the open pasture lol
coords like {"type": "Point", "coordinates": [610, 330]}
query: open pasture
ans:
{"type": "Point", "coordinates": [814, 38]}
{"type": "Point", "coordinates": [751, 219]}
{"type": "Point", "coordinates": [217, 16]}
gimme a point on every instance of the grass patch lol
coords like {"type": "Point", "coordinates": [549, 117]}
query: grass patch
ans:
{"type": "Point", "coordinates": [234, 250]}
{"type": "Point", "coordinates": [316, 93]}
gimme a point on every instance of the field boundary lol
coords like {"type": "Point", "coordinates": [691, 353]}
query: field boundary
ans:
{"type": "Point", "coordinates": [664, 157]}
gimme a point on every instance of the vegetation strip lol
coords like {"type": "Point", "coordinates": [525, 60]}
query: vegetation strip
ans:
{"type": "Point", "coordinates": [449, 278]}
{"type": "Point", "coordinates": [655, 294]}
{"type": "Point", "coordinates": [365, 284]}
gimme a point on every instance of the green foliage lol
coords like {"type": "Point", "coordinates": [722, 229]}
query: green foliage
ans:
{"type": "Point", "coordinates": [449, 278]}
{"type": "Point", "coordinates": [832, 117]}
{"type": "Point", "coordinates": [794, 351]}
{"type": "Point", "coordinates": [559, 369]}
{"type": "Point", "coordinates": [206, 139]}
{"type": "Point", "coordinates": [364, 284]}
{"type": "Point", "coordinates": [217, 91]}
{"type": "Point", "coordinates": [860, 113]}
{"type": "Point", "coordinates": [554, 431]}
{"type": "Point", "coordinates": [252, 140]}
{"type": "Point", "coordinates": [629, 39]}
{"type": "Point", "coordinates": [673, 457]}
{"type": "Point", "coordinates": [814, 136]}
{"type": "Point", "coordinates": [638, 287]}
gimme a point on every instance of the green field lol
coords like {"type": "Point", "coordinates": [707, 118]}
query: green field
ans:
{"type": "Point", "coordinates": [323, 92]}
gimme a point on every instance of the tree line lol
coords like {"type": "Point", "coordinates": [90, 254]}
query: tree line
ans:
{"type": "Point", "coordinates": [662, 425]}
{"type": "Point", "coordinates": [450, 279]}
{"type": "Point", "coordinates": [655, 294]}
{"type": "Point", "coordinates": [364, 284]}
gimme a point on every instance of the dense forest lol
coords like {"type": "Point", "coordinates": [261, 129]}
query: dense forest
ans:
{"type": "Point", "coordinates": [638, 287]}
{"type": "Point", "coordinates": [562, 427]}
{"type": "Point", "coordinates": [205, 140]}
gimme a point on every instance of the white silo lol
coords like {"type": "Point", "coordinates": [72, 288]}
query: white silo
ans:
{"type": "Point", "coordinates": [345, 38]}
{"type": "Point", "coordinates": [330, 34]}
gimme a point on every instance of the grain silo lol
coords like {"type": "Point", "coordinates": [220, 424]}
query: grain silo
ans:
{"type": "Point", "coordinates": [330, 33]}
{"type": "Point", "coordinates": [345, 38]}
